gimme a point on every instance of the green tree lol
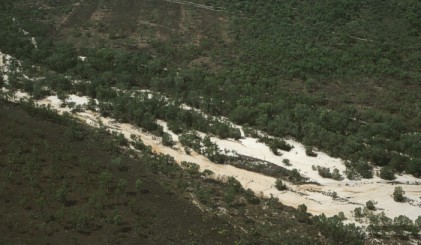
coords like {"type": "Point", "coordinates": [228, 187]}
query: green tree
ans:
{"type": "Point", "coordinates": [167, 140]}
{"type": "Point", "coordinates": [230, 194]}
{"type": "Point", "coordinates": [398, 194]}
{"type": "Point", "coordinates": [280, 185]}
{"type": "Point", "coordinates": [341, 216]}
{"type": "Point", "coordinates": [418, 222]}
{"type": "Point", "coordinates": [61, 194]}
{"type": "Point", "coordinates": [250, 197]}
{"type": "Point", "coordinates": [121, 188]}
{"type": "Point", "coordinates": [370, 205]}
{"type": "Point", "coordinates": [138, 185]}
{"type": "Point", "coordinates": [334, 228]}
{"type": "Point", "coordinates": [302, 214]}
{"type": "Point", "coordinates": [387, 173]}
{"type": "Point", "coordinates": [363, 168]}
{"type": "Point", "coordinates": [379, 156]}
{"type": "Point", "coordinates": [310, 152]}
{"type": "Point", "coordinates": [402, 223]}
{"type": "Point", "coordinates": [336, 175]}
{"type": "Point", "coordinates": [324, 172]}
{"type": "Point", "coordinates": [105, 179]}
{"type": "Point", "coordinates": [1, 79]}
{"type": "Point", "coordinates": [119, 164]}
{"type": "Point", "coordinates": [190, 167]}
{"type": "Point", "coordinates": [62, 96]}
{"type": "Point", "coordinates": [114, 218]}
{"type": "Point", "coordinates": [414, 167]}
{"type": "Point", "coordinates": [398, 162]}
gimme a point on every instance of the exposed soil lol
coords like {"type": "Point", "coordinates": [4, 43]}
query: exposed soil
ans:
{"type": "Point", "coordinates": [242, 212]}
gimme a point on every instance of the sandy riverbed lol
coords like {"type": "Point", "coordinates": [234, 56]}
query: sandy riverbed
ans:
{"type": "Point", "coordinates": [351, 193]}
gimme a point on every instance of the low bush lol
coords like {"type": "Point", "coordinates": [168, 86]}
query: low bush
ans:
{"type": "Point", "coordinates": [310, 152]}
{"type": "Point", "coordinates": [280, 185]}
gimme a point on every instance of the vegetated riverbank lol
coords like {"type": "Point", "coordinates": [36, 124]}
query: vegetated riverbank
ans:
{"type": "Point", "coordinates": [317, 199]}
{"type": "Point", "coordinates": [66, 182]}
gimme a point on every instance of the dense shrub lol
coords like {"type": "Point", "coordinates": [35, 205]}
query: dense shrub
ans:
{"type": "Point", "coordinates": [192, 140]}
{"type": "Point", "coordinates": [167, 140]}
{"type": "Point", "coordinates": [336, 230]}
{"type": "Point", "coordinates": [276, 144]}
{"type": "Point", "coordinates": [250, 197]}
{"type": "Point", "coordinates": [360, 167]}
{"type": "Point", "coordinates": [310, 152]}
{"type": "Point", "coordinates": [414, 167]}
{"type": "Point", "coordinates": [324, 172]}
{"type": "Point", "coordinates": [192, 168]}
{"type": "Point", "coordinates": [287, 162]}
{"type": "Point", "coordinates": [370, 205]}
{"type": "Point", "coordinates": [387, 173]}
{"type": "Point", "coordinates": [398, 194]}
{"type": "Point", "coordinates": [280, 185]}
{"type": "Point", "coordinates": [302, 214]}
{"type": "Point", "coordinates": [336, 175]}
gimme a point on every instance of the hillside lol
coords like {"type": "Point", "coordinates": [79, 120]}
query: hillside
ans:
{"type": "Point", "coordinates": [64, 183]}
{"type": "Point", "coordinates": [312, 104]}
{"type": "Point", "coordinates": [346, 81]}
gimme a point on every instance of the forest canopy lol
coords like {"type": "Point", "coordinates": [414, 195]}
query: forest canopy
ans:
{"type": "Point", "coordinates": [342, 76]}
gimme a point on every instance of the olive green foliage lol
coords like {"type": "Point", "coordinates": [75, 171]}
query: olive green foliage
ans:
{"type": "Point", "coordinates": [280, 185]}
{"type": "Point", "coordinates": [302, 214]}
{"type": "Point", "coordinates": [400, 227]}
{"type": "Point", "coordinates": [359, 168]}
{"type": "Point", "coordinates": [341, 216]}
{"type": "Point", "coordinates": [61, 194]}
{"type": "Point", "coordinates": [387, 173]}
{"type": "Point", "coordinates": [287, 162]}
{"type": "Point", "coordinates": [399, 194]}
{"type": "Point", "coordinates": [206, 146]}
{"type": "Point", "coordinates": [192, 168]}
{"type": "Point", "coordinates": [418, 222]}
{"type": "Point", "coordinates": [324, 172]}
{"type": "Point", "coordinates": [250, 197]}
{"type": "Point", "coordinates": [192, 140]}
{"type": "Point", "coordinates": [167, 139]}
{"type": "Point", "coordinates": [303, 36]}
{"type": "Point", "coordinates": [336, 174]}
{"type": "Point", "coordinates": [310, 152]}
{"type": "Point", "coordinates": [121, 198]}
{"type": "Point", "coordinates": [138, 185]}
{"type": "Point", "coordinates": [370, 205]}
{"type": "Point", "coordinates": [233, 188]}
{"type": "Point", "coordinates": [276, 144]}
{"type": "Point", "coordinates": [119, 164]}
{"type": "Point", "coordinates": [277, 76]}
{"type": "Point", "coordinates": [334, 228]}
{"type": "Point", "coordinates": [358, 213]}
